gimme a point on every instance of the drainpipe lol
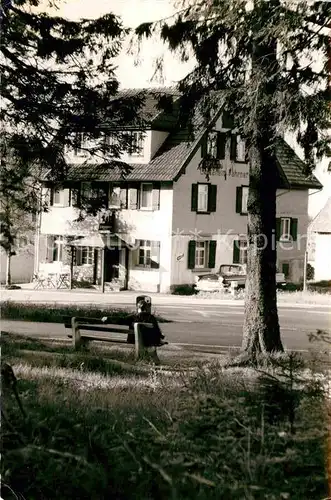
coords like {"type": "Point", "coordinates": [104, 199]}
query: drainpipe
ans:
{"type": "Point", "coordinates": [37, 242]}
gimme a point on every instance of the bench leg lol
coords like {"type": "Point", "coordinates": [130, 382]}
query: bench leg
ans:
{"type": "Point", "coordinates": [140, 350]}
{"type": "Point", "coordinates": [76, 338]}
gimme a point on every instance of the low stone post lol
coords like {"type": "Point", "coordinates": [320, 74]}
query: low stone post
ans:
{"type": "Point", "coordinates": [76, 338]}
{"type": "Point", "coordinates": [234, 285]}
{"type": "Point", "coordinates": [142, 351]}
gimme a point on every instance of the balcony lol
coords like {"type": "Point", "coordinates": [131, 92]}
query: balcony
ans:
{"type": "Point", "coordinates": [107, 221]}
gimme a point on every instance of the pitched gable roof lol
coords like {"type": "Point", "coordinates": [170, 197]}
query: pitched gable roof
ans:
{"type": "Point", "coordinates": [291, 168]}
{"type": "Point", "coordinates": [151, 110]}
{"type": "Point", "coordinates": [177, 150]}
{"type": "Point", "coordinates": [322, 221]}
{"type": "Point", "coordinates": [175, 154]}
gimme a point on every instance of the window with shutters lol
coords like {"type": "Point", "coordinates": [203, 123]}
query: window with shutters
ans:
{"type": "Point", "coordinates": [117, 196]}
{"type": "Point", "coordinates": [240, 251]}
{"type": "Point", "coordinates": [94, 192]}
{"type": "Point", "coordinates": [57, 251]}
{"type": "Point", "coordinates": [241, 200]}
{"type": "Point", "coordinates": [238, 149]}
{"type": "Point", "coordinates": [148, 254]}
{"type": "Point", "coordinates": [201, 254]}
{"type": "Point", "coordinates": [244, 199]}
{"type": "Point", "coordinates": [213, 145]}
{"type": "Point", "coordinates": [87, 256]}
{"type": "Point", "coordinates": [202, 197]}
{"type": "Point", "coordinates": [285, 229]}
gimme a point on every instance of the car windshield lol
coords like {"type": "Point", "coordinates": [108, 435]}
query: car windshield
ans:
{"type": "Point", "coordinates": [228, 269]}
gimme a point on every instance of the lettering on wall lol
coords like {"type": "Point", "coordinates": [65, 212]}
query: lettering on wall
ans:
{"type": "Point", "coordinates": [220, 171]}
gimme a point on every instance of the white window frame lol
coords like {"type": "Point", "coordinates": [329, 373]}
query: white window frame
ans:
{"type": "Point", "coordinates": [203, 191]}
{"type": "Point", "coordinates": [87, 253]}
{"type": "Point", "coordinates": [201, 255]}
{"type": "Point", "coordinates": [285, 236]}
{"type": "Point", "coordinates": [61, 197]}
{"type": "Point", "coordinates": [240, 149]}
{"type": "Point", "coordinates": [244, 199]}
{"type": "Point", "coordinates": [58, 245]}
{"type": "Point", "coordinates": [242, 245]}
{"type": "Point", "coordinates": [137, 139]}
{"type": "Point", "coordinates": [116, 192]}
{"type": "Point", "coordinates": [80, 138]}
{"type": "Point", "coordinates": [145, 254]}
{"type": "Point", "coordinates": [212, 144]}
{"type": "Point", "coordinates": [150, 206]}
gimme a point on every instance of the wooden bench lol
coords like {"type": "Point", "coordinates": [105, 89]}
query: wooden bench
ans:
{"type": "Point", "coordinates": [80, 328]}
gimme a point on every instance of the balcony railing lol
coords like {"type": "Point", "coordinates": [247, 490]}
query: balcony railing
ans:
{"type": "Point", "coordinates": [107, 221]}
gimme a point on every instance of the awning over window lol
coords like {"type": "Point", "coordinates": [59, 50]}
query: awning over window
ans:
{"type": "Point", "coordinates": [98, 240]}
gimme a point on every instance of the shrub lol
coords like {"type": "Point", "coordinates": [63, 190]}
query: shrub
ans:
{"type": "Point", "coordinates": [183, 289]}
{"type": "Point", "coordinates": [310, 272]}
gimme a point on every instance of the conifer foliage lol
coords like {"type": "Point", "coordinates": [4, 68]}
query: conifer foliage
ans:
{"type": "Point", "coordinates": [267, 59]}
{"type": "Point", "coordinates": [57, 78]}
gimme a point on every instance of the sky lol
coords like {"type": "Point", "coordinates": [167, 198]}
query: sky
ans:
{"type": "Point", "coordinates": [134, 12]}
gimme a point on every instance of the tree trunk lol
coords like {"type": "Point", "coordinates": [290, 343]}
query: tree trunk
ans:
{"type": "Point", "coordinates": [8, 269]}
{"type": "Point", "coordinates": [261, 334]}
{"type": "Point", "coordinates": [261, 326]}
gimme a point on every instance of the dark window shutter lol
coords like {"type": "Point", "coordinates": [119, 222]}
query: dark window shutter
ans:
{"type": "Point", "coordinates": [78, 256]}
{"type": "Point", "coordinates": [212, 254]}
{"type": "Point", "coordinates": [239, 196]}
{"type": "Point", "coordinates": [123, 197]}
{"type": "Point", "coordinates": [227, 120]}
{"type": "Point", "coordinates": [294, 229]}
{"type": "Point", "coordinates": [194, 198]}
{"type": "Point", "coordinates": [204, 146]}
{"type": "Point", "coordinates": [278, 224]}
{"type": "Point", "coordinates": [233, 150]}
{"type": "Point", "coordinates": [51, 196]}
{"type": "Point", "coordinates": [191, 254]}
{"type": "Point", "coordinates": [236, 252]}
{"type": "Point", "coordinates": [221, 142]}
{"type": "Point", "coordinates": [212, 197]}
{"type": "Point", "coordinates": [286, 269]}
{"type": "Point", "coordinates": [246, 152]}
{"type": "Point", "coordinates": [156, 197]}
{"type": "Point", "coordinates": [50, 248]}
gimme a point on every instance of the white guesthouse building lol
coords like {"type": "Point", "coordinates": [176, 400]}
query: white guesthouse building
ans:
{"type": "Point", "coordinates": [166, 223]}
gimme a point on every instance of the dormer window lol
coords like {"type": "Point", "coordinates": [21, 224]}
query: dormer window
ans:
{"type": "Point", "coordinates": [80, 145]}
{"type": "Point", "coordinates": [137, 143]}
{"type": "Point", "coordinates": [212, 144]}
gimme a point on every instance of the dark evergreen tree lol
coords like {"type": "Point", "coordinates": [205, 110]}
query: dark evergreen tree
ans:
{"type": "Point", "coordinates": [267, 59]}
{"type": "Point", "coordinates": [57, 81]}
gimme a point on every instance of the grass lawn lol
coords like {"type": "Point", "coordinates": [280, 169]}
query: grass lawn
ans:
{"type": "Point", "coordinates": [100, 426]}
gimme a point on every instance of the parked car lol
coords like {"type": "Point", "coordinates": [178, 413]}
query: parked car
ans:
{"type": "Point", "coordinates": [227, 274]}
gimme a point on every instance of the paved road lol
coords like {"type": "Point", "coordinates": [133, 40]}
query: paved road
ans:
{"type": "Point", "coordinates": [208, 326]}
